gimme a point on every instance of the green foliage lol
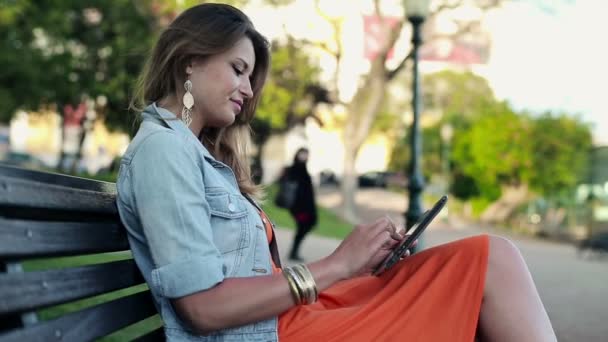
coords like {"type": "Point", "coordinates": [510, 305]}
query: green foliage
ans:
{"type": "Point", "coordinates": [493, 145]}
{"type": "Point", "coordinates": [463, 186]}
{"type": "Point", "coordinates": [400, 155]}
{"type": "Point", "coordinates": [57, 52]}
{"type": "Point", "coordinates": [274, 105]}
{"type": "Point", "coordinates": [457, 95]}
{"type": "Point", "coordinates": [431, 151]}
{"type": "Point", "coordinates": [291, 91]}
{"type": "Point", "coordinates": [561, 146]}
{"type": "Point", "coordinates": [479, 204]}
{"type": "Point", "coordinates": [497, 149]}
{"type": "Point", "coordinates": [460, 98]}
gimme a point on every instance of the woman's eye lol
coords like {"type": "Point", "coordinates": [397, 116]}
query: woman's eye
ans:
{"type": "Point", "coordinates": [237, 71]}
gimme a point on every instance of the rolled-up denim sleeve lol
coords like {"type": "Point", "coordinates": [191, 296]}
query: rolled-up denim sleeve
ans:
{"type": "Point", "coordinates": [169, 193]}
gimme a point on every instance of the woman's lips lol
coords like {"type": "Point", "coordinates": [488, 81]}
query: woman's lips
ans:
{"type": "Point", "coordinates": [237, 105]}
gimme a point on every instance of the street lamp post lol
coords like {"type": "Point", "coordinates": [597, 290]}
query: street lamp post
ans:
{"type": "Point", "coordinates": [446, 137]}
{"type": "Point", "coordinates": [416, 11]}
{"type": "Point", "coordinates": [446, 133]}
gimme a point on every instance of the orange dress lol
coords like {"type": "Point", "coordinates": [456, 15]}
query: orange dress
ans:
{"type": "Point", "coordinates": [434, 295]}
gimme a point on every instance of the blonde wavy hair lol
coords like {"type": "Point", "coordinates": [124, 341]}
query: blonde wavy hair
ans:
{"type": "Point", "coordinates": [202, 31]}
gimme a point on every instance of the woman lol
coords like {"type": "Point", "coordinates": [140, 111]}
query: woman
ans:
{"type": "Point", "coordinates": [208, 252]}
{"type": "Point", "coordinates": [304, 209]}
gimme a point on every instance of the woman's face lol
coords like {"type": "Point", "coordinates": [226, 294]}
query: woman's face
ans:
{"type": "Point", "coordinates": [221, 84]}
{"type": "Point", "coordinates": [302, 156]}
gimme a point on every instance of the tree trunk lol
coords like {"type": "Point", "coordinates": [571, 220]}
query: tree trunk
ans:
{"type": "Point", "coordinates": [362, 110]}
{"type": "Point", "coordinates": [84, 131]}
{"type": "Point", "coordinates": [349, 185]}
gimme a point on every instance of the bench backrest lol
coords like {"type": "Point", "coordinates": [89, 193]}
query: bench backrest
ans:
{"type": "Point", "coordinates": [45, 215]}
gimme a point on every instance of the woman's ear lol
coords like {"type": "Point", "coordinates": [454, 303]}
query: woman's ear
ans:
{"type": "Point", "coordinates": [190, 65]}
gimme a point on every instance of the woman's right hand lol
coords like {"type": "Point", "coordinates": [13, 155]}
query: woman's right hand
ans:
{"type": "Point", "coordinates": [365, 247]}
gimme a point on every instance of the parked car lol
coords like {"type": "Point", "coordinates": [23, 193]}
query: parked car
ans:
{"type": "Point", "coordinates": [382, 179]}
{"type": "Point", "coordinates": [328, 177]}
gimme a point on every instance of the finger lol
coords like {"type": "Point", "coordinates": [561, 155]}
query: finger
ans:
{"type": "Point", "coordinates": [388, 226]}
{"type": "Point", "coordinates": [407, 254]}
{"type": "Point", "coordinates": [383, 223]}
{"type": "Point", "coordinates": [399, 230]}
{"type": "Point", "coordinates": [378, 241]}
{"type": "Point", "coordinates": [396, 236]}
{"type": "Point", "coordinates": [391, 243]}
{"type": "Point", "coordinates": [392, 224]}
{"type": "Point", "coordinates": [370, 226]}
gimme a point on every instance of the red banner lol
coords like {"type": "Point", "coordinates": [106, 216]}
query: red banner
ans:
{"type": "Point", "coordinates": [375, 37]}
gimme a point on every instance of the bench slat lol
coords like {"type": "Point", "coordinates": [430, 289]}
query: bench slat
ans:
{"type": "Point", "coordinates": [27, 291]}
{"type": "Point", "coordinates": [153, 336]}
{"type": "Point", "coordinates": [27, 194]}
{"type": "Point", "coordinates": [47, 214]}
{"type": "Point", "coordinates": [24, 239]}
{"type": "Point", "coordinates": [57, 179]}
{"type": "Point", "coordinates": [90, 323]}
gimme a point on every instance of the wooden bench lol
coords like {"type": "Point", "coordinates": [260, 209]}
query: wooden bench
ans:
{"type": "Point", "coordinates": [44, 216]}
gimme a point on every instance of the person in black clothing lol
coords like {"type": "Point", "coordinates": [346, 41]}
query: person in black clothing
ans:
{"type": "Point", "coordinates": [304, 209]}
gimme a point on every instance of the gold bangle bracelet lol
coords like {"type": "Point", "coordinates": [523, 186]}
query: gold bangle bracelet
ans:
{"type": "Point", "coordinates": [293, 285]}
{"type": "Point", "coordinates": [309, 281]}
{"type": "Point", "coordinates": [308, 293]}
{"type": "Point", "coordinates": [300, 284]}
{"type": "Point", "coordinates": [312, 280]}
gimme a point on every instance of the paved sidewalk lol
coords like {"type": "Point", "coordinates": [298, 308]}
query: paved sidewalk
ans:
{"type": "Point", "coordinates": [574, 290]}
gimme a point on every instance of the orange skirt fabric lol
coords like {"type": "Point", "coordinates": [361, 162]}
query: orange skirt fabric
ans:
{"type": "Point", "coordinates": [434, 295]}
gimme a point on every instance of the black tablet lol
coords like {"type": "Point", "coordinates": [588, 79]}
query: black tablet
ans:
{"type": "Point", "coordinates": [411, 236]}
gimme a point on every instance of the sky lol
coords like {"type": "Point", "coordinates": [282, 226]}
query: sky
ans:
{"type": "Point", "coordinates": [545, 54]}
{"type": "Point", "coordinates": [552, 55]}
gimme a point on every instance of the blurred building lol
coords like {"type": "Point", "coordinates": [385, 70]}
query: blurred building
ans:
{"type": "Point", "coordinates": [38, 134]}
{"type": "Point", "coordinates": [595, 190]}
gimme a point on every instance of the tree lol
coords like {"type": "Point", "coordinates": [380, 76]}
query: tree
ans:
{"type": "Point", "coordinates": [497, 154]}
{"type": "Point", "coordinates": [459, 98]}
{"type": "Point", "coordinates": [290, 95]}
{"type": "Point", "coordinates": [561, 146]}
{"type": "Point", "coordinates": [509, 154]}
{"type": "Point", "coordinates": [456, 98]}
{"type": "Point", "coordinates": [367, 102]}
{"type": "Point", "coordinates": [497, 149]}
{"type": "Point", "coordinates": [63, 52]}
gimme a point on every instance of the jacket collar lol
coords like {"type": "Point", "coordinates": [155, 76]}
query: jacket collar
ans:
{"type": "Point", "coordinates": [166, 118]}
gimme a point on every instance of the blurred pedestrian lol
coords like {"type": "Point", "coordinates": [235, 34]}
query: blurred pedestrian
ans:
{"type": "Point", "coordinates": [304, 208]}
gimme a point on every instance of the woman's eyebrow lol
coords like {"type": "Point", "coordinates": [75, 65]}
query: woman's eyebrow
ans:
{"type": "Point", "coordinates": [243, 61]}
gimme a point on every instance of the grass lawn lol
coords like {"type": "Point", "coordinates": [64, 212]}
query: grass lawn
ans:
{"type": "Point", "coordinates": [329, 225]}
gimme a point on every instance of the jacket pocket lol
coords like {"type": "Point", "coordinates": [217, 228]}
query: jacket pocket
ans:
{"type": "Point", "coordinates": [228, 221]}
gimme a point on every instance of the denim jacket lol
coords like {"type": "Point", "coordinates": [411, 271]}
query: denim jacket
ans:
{"type": "Point", "coordinates": [188, 225]}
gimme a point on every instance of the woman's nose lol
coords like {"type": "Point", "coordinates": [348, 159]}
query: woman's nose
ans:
{"type": "Point", "coordinates": [246, 89]}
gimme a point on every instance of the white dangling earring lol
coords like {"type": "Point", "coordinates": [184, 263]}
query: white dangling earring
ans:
{"type": "Point", "coordinates": [188, 101]}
